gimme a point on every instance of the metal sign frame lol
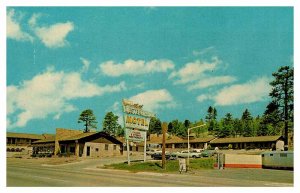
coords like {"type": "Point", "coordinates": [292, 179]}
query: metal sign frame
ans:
{"type": "Point", "coordinates": [140, 122]}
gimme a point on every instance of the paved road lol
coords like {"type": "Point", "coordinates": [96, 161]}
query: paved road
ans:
{"type": "Point", "coordinates": [85, 174]}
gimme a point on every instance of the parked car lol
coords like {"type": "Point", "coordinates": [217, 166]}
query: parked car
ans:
{"type": "Point", "coordinates": [153, 151]}
{"type": "Point", "coordinates": [158, 156]}
{"type": "Point", "coordinates": [191, 154]}
{"type": "Point", "coordinates": [208, 153]}
{"type": "Point", "coordinates": [198, 150]}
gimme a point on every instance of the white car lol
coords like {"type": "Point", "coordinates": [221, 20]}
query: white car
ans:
{"type": "Point", "coordinates": [198, 150]}
{"type": "Point", "coordinates": [192, 154]}
{"type": "Point", "coordinates": [153, 151]}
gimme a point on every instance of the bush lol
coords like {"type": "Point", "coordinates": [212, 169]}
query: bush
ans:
{"type": "Point", "coordinates": [230, 146]}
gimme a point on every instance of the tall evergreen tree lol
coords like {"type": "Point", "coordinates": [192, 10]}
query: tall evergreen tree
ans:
{"type": "Point", "coordinates": [170, 128]}
{"type": "Point", "coordinates": [247, 124]}
{"type": "Point", "coordinates": [182, 130]}
{"type": "Point", "coordinates": [110, 124]}
{"type": "Point", "coordinates": [237, 127]}
{"type": "Point", "coordinates": [211, 118]}
{"type": "Point", "coordinates": [226, 126]}
{"type": "Point", "coordinates": [174, 127]}
{"type": "Point", "coordinates": [120, 131]}
{"type": "Point", "coordinates": [187, 123]}
{"type": "Point", "coordinates": [283, 95]}
{"type": "Point", "coordinates": [89, 119]}
{"type": "Point", "coordinates": [200, 131]}
{"type": "Point", "coordinates": [155, 126]}
{"type": "Point", "coordinates": [270, 123]}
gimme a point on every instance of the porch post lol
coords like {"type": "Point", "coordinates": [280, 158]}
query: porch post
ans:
{"type": "Point", "coordinates": [76, 148]}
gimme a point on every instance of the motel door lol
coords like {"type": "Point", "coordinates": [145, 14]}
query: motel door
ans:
{"type": "Point", "coordinates": [88, 150]}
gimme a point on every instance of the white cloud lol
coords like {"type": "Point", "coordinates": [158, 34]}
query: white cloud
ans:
{"type": "Point", "coordinates": [252, 91]}
{"type": "Point", "coordinates": [194, 71]}
{"type": "Point", "coordinates": [13, 28]}
{"type": "Point", "coordinates": [53, 36]}
{"type": "Point", "coordinates": [154, 99]}
{"type": "Point", "coordinates": [203, 51]}
{"type": "Point", "coordinates": [203, 97]}
{"type": "Point", "coordinates": [212, 81]}
{"type": "Point", "coordinates": [135, 67]}
{"type": "Point", "coordinates": [86, 64]}
{"type": "Point", "coordinates": [33, 20]}
{"type": "Point", "coordinates": [49, 93]}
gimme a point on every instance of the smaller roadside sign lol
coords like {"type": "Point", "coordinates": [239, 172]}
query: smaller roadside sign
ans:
{"type": "Point", "coordinates": [135, 135]}
{"type": "Point", "coordinates": [182, 165]}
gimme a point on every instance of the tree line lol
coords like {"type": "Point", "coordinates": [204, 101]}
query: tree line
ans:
{"type": "Point", "coordinates": [277, 118]}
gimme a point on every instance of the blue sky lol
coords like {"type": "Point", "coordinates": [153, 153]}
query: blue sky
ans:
{"type": "Point", "coordinates": [176, 61]}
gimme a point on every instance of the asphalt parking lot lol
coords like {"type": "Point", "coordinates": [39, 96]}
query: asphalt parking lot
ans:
{"type": "Point", "coordinates": [84, 173]}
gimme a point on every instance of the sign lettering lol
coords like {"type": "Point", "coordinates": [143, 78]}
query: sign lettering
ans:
{"type": "Point", "coordinates": [135, 135]}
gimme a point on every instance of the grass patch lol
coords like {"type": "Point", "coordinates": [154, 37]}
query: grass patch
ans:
{"type": "Point", "coordinates": [155, 166]}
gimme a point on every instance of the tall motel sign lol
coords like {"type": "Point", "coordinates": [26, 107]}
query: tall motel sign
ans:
{"type": "Point", "coordinates": [136, 124]}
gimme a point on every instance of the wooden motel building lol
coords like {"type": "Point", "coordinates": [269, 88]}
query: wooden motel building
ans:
{"type": "Point", "coordinates": [68, 142]}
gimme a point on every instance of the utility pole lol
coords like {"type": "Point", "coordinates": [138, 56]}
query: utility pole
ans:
{"type": "Point", "coordinates": [164, 130]}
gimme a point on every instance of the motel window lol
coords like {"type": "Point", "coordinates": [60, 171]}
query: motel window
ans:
{"type": "Point", "coordinates": [106, 146]}
{"type": "Point", "coordinates": [283, 155]}
{"type": "Point", "coordinates": [97, 149]}
{"type": "Point", "coordinates": [72, 149]}
{"type": "Point", "coordinates": [130, 148]}
{"type": "Point", "coordinates": [115, 147]}
{"type": "Point", "coordinates": [271, 154]}
{"type": "Point", "coordinates": [136, 148]}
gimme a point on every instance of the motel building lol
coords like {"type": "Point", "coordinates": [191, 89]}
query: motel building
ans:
{"type": "Point", "coordinates": [177, 143]}
{"type": "Point", "coordinates": [174, 143]}
{"type": "Point", "coordinates": [19, 143]}
{"type": "Point", "coordinates": [259, 142]}
{"type": "Point", "coordinates": [67, 142]}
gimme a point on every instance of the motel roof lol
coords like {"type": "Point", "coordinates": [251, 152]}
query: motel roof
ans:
{"type": "Point", "coordinates": [24, 135]}
{"type": "Point", "coordinates": [49, 139]}
{"type": "Point", "coordinates": [175, 139]}
{"type": "Point", "coordinates": [245, 139]}
{"type": "Point", "coordinates": [82, 136]}
{"type": "Point", "coordinates": [91, 136]}
{"type": "Point", "coordinates": [79, 136]}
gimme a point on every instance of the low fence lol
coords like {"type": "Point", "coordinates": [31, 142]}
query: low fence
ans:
{"type": "Point", "coordinates": [242, 161]}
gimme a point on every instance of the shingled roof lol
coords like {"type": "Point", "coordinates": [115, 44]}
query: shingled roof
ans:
{"type": "Point", "coordinates": [79, 136]}
{"type": "Point", "coordinates": [24, 135]}
{"type": "Point", "coordinates": [175, 139]}
{"type": "Point", "coordinates": [48, 139]}
{"type": "Point", "coordinates": [246, 139]}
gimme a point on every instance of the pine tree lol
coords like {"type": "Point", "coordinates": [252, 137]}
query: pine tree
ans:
{"type": "Point", "coordinates": [88, 118]}
{"type": "Point", "coordinates": [283, 95]}
{"type": "Point", "coordinates": [270, 123]}
{"type": "Point", "coordinates": [226, 126]}
{"type": "Point", "coordinates": [211, 118]}
{"type": "Point", "coordinates": [155, 126]}
{"type": "Point", "coordinates": [110, 124]}
{"type": "Point", "coordinates": [247, 124]}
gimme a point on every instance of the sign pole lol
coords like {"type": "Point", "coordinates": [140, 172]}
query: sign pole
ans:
{"type": "Point", "coordinates": [145, 143]}
{"type": "Point", "coordinates": [128, 153]}
{"type": "Point", "coordinates": [188, 159]}
{"type": "Point", "coordinates": [164, 129]}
